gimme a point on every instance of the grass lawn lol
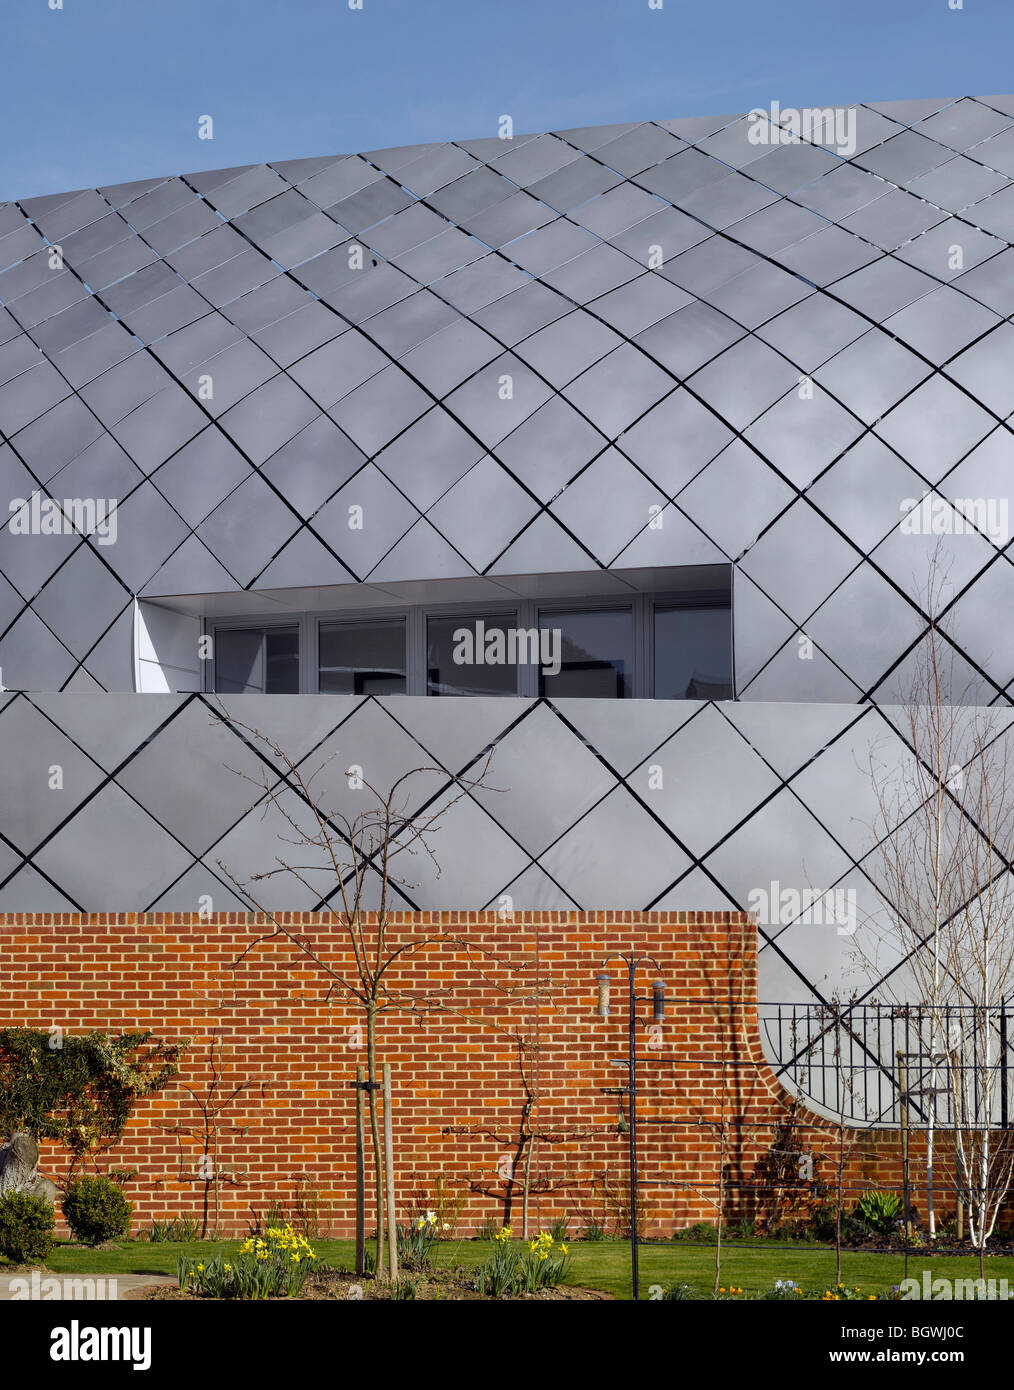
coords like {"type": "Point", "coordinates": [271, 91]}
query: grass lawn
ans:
{"type": "Point", "coordinates": [599, 1265]}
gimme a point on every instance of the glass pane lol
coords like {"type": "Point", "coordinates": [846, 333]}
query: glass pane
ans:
{"type": "Point", "coordinates": [366, 658]}
{"type": "Point", "coordinates": [477, 655]}
{"type": "Point", "coordinates": [281, 661]}
{"type": "Point", "coordinates": [693, 654]}
{"type": "Point", "coordinates": [239, 665]}
{"type": "Point", "coordinates": [262, 661]}
{"type": "Point", "coordinates": [595, 651]}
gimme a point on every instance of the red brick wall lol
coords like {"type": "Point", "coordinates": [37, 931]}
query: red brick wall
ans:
{"type": "Point", "coordinates": [476, 1008]}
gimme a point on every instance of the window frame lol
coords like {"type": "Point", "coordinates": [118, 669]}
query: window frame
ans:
{"type": "Point", "coordinates": [261, 624]}
{"type": "Point", "coordinates": [665, 601]}
{"type": "Point", "coordinates": [468, 612]}
{"type": "Point", "coordinates": [348, 619]}
{"type": "Point", "coordinates": [526, 612]}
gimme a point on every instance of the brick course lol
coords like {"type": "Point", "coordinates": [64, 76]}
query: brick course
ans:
{"type": "Point", "coordinates": [466, 1026]}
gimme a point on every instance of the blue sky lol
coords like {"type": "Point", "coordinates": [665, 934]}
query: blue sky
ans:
{"type": "Point", "coordinates": [104, 91]}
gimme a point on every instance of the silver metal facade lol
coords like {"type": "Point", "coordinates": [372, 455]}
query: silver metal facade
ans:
{"type": "Point", "coordinates": [515, 356]}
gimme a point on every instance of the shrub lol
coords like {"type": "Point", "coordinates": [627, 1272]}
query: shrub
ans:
{"type": "Point", "coordinates": [879, 1211]}
{"type": "Point", "coordinates": [275, 1266]}
{"type": "Point", "coordinates": [96, 1210]}
{"type": "Point", "coordinates": [593, 1230]}
{"type": "Point", "coordinates": [822, 1224]}
{"type": "Point", "coordinates": [801, 1231]}
{"type": "Point", "coordinates": [702, 1231]}
{"type": "Point", "coordinates": [26, 1227]}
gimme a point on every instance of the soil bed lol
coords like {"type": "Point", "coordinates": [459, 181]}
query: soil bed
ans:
{"type": "Point", "coordinates": [451, 1285]}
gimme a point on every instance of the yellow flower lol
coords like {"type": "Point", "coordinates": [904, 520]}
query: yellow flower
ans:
{"type": "Point", "coordinates": [200, 1269]}
{"type": "Point", "coordinates": [564, 1249]}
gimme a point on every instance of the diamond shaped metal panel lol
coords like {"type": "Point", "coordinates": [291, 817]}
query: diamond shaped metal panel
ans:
{"type": "Point", "coordinates": [162, 777]}
{"type": "Point", "coordinates": [47, 776]}
{"type": "Point", "coordinates": [363, 537]}
{"type": "Point", "coordinates": [826, 557]}
{"type": "Point", "coordinates": [550, 448]}
{"type": "Point", "coordinates": [607, 531]}
{"type": "Point", "coordinates": [863, 623]}
{"type": "Point", "coordinates": [82, 600]}
{"type": "Point", "coordinates": [248, 528]}
{"type": "Point", "coordinates": [782, 832]}
{"type": "Point", "coordinates": [872, 374]}
{"type": "Point", "coordinates": [707, 747]}
{"type": "Point", "coordinates": [577, 861]}
{"type": "Point", "coordinates": [553, 780]}
{"type": "Point", "coordinates": [430, 457]}
{"type": "Point", "coordinates": [737, 471]}
{"type": "Point", "coordinates": [459, 514]}
{"type": "Point", "coordinates": [803, 432]}
{"type": "Point", "coordinates": [619, 389]}
{"type": "Point", "coordinates": [934, 427]}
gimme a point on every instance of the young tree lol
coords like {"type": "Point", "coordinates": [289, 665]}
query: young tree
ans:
{"type": "Point", "coordinates": [347, 857]}
{"type": "Point", "coordinates": [944, 835]}
{"type": "Point", "coordinates": [211, 1102]}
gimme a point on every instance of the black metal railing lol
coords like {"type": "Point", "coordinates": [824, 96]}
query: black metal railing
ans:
{"type": "Point", "coordinates": [854, 1060]}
